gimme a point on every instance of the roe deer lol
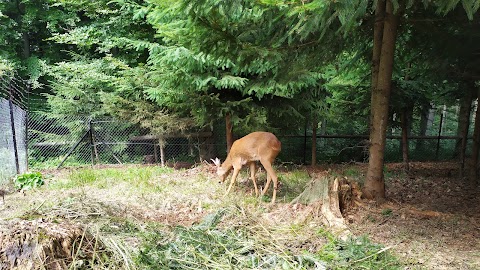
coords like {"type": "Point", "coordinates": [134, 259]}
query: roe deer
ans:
{"type": "Point", "coordinates": [256, 146]}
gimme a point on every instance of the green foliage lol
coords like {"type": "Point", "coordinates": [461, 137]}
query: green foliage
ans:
{"type": "Point", "coordinates": [79, 86]}
{"type": "Point", "coordinates": [181, 65]}
{"type": "Point", "coordinates": [387, 212]}
{"type": "Point", "coordinates": [357, 253]}
{"type": "Point", "coordinates": [52, 163]}
{"type": "Point", "coordinates": [207, 247]}
{"type": "Point", "coordinates": [28, 181]}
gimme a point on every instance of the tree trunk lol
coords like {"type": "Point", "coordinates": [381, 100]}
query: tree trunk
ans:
{"type": "Point", "coordinates": [323, 131]}
{"type": "Point", "coordinates": [374, 184]}
{"type": "Point", "coordinates": [476, 141]}
{"type": "Point", "coordinates": [229, 131]}
{"type": "Point", "coordinates": [463, 123]}
{"type": "Point", "coordinates": [404, 118]}
{"type": "Point", "coordinates": [314, 140]}
{"type": "Point", "coordinates": [161, 145]}
{"type": "Point", "coordinates": [377, 41]}
{"type": "Point", "coordinates": [424, 124]}
{"type": "Point", "coordinates": [26, 45]}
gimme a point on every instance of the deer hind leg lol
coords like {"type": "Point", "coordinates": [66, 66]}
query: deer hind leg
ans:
{"type": "Point", "coordinates": [270, 176]}
{"type": "Point", "coordinates": [267, 184]}
{"type": "Point", "coordinates": [252, 175]}
{"type": "Point", "coordinates": [234, 176]}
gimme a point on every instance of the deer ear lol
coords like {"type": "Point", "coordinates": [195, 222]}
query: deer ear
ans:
{"type": "Point", "coordinates": [216, 161]}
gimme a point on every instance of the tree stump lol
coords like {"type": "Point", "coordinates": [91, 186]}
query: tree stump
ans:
{"type": "Point", "coordinates": [330, 198]}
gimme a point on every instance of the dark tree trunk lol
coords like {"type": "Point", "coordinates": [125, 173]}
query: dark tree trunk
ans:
{"type": "Point", "coordinates": [404, 118]}
{"type": "Point", "coordinates": [476, 141]}
{"type": "Point", "coordinates": [26, 45]}
{"type": "Point", "coordinates": [463, 122]}
{"type": "Point", "coordinates": [314, 140]}
{"type": "Point", "coordinates": [377, 41]}
{"type": "Point", "coordinates": [229, 131]}
{"type": "Point", "coordinates": [424, 119]}
{"type": "Point", "coordinates": [374, 184]}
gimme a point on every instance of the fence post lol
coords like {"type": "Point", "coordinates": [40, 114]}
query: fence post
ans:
{"type": "Point", "coordinates": [92, 145]}
{"type": "Point", "coordinates": [12, 124]}
{"type": "Point", "coordinates": [27, 123]}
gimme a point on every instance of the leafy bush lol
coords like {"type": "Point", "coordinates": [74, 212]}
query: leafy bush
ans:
{"type": "Point", "coordinates": [28, 181]}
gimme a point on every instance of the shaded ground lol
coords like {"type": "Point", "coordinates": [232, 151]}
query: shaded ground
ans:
{"type": "Point", "coordinates": [431, 219]}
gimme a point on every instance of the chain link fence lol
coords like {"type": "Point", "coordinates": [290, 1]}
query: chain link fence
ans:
{"type": "Point", "coordinates": [13, 119]}
{"type": "Point", "coordinates": [80, 140]}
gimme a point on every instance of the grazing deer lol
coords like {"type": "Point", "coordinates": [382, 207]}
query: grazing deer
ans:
{"type": "Point", "coordinates": [256, 146]}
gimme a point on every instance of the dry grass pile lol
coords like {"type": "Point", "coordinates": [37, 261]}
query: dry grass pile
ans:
{"type": "Point", "coordinates": [41, 244]}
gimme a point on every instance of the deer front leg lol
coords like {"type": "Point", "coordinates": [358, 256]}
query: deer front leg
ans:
{"type": "Point", "coordinates": [252, 175]}
{"type": "Point", "coordinates": [234, 176]}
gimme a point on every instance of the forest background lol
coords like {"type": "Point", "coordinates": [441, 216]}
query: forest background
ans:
{"type": "Point", "coordinates": [344, 67]}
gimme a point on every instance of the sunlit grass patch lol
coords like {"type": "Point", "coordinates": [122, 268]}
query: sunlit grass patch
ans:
{"type": "Point", "coordinates": [139, 177]}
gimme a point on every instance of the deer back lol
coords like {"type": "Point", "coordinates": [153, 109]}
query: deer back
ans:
{"type": "Point", "coordinates": [255, 146]}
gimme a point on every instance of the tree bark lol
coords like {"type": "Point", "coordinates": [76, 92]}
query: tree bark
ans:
{"type": "Point", "coordinates": [229, 131]}
{"type": "Point", "coordinates": [404, 118]}
{"type": "Point", "coordinates": [476, 141]}
{"type": "Point", "coordinates": [377, 41]}
{"type": "Point", "coordinates": [374, 184]}
{"type": "Point", "coordinates": [314, 140]}
{"type": "Point", "coordinates": [424, 111]}
{"type": "Point", "coordinates": [463, 122]}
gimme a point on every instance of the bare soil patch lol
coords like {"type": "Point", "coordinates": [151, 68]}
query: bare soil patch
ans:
{"type": "Point", "coordinates": [431, 217]}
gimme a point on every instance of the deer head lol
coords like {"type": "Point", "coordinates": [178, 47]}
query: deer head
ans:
{"type": "Point", "coordinates": [221, 172]}
{"type": "Point", "coordinates": [256, 146]}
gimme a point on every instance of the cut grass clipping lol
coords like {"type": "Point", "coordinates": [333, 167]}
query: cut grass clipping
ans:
{"type": "Point", "coordinates": [205, 246]}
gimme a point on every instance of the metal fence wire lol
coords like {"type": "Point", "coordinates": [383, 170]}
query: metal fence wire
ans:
{"type": "Point", "coordinates": [13, 119]}
{"type": "Point", "coordinates": [80, 140]}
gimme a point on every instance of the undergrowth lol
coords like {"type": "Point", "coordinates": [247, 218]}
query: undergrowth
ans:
{"type": "Point", "coordinates": [209, 246]}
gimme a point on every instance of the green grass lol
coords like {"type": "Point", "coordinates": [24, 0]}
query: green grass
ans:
{"type": "Point", "coordinates": [233, 232]}
{"type": "Point", "coordinates": [293, 183]}
{"type": "Point", "coordinates": [138, 177]}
